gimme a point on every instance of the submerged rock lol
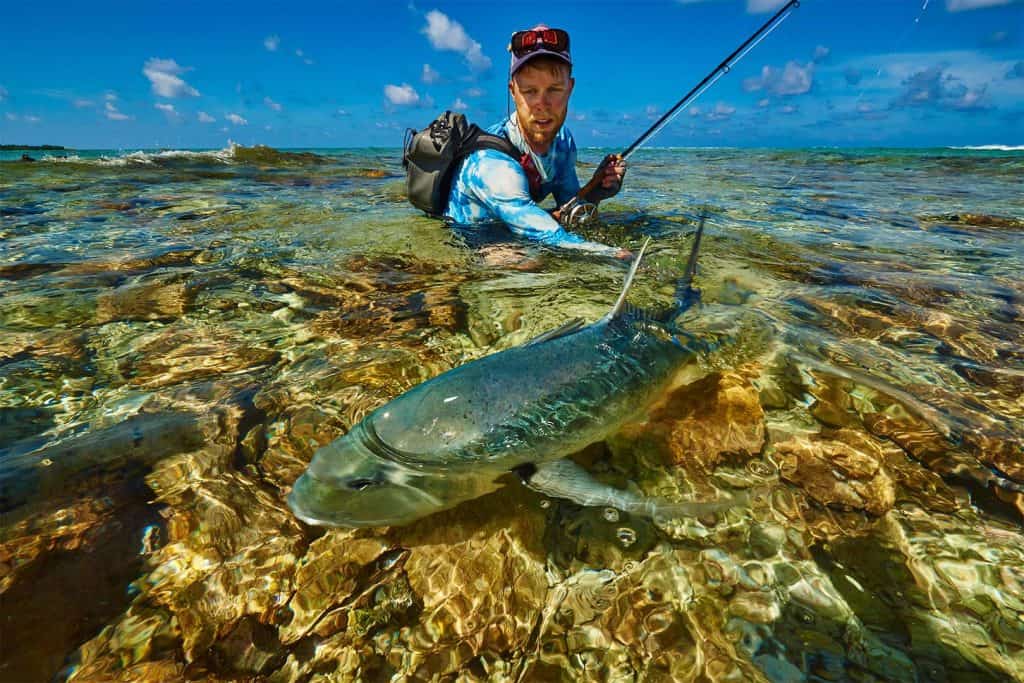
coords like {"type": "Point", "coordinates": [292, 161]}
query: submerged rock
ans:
{"type": "Point", "coordinates": [164, 297]}
{"type": "Point", "coordinates": [716, 419]}
{"type": "Point", "coordinates": [843, 472]}
{"type": "Point", "coordinates": [975, 220]}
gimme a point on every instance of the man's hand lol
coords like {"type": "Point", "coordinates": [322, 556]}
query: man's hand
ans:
{"type": "Point", "coordinates": [607, 180]}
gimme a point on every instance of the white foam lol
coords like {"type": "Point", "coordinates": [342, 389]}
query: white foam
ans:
{"type": "Point", "coordinates": [994, 148]}
{"type": "Point", "coordinates": [142, 158]}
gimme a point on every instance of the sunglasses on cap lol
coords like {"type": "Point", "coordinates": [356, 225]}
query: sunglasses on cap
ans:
{"type": "Point", "coordinates": [525, 42]}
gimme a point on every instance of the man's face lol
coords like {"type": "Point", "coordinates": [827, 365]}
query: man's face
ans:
{"type": "Point", "coordinates": [542, 100]}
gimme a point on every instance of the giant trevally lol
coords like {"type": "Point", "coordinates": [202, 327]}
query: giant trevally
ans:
{"type": "Point", "coordinates": [521, 410]}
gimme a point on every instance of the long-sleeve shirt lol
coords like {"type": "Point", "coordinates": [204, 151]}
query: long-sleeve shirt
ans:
{"type": "Point", "coordinates": [489, 187]}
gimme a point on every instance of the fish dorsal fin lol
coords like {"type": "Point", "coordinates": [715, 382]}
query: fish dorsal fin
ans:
{"type": "Point", "coordinates": [617, 308]}
{"type": "Point", "coordinates": [574, 325]}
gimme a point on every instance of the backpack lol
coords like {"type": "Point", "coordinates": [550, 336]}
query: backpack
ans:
{"type": "Point", "coordinates": [431, 155]}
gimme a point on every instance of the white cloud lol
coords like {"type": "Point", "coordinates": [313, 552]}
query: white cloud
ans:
{"type": "Point", "coordinates": [763, 6]}
{"type": "Point", "coordinates": [475, 92]}
{"type": "Point", "coordinates": [272, 104]}
{"type": "Point", "coordinates": [936, 87]}
{"type": "Point", "coordinates": [753, 6]}
{"type": "Point", "coordinates": [788, 109]}
{"type": "Point", "coordinates": [763, 102]}
{"type": "Point", "coordinates": [342, 112]}
{"type": "Point", "coordinates": [966, 5]}
{"type": "Point", "coordinates": [459, 105]}
{"type": "Point", "coordinates": [110, 97]}
{"type": "Point", "coordinates": [206, 118]}
{"type": "Point", "coordinates": [82, 103]}
{"type": "Point", "coordinates": [721, 112]}
{"type": "Point", "coordinates": [821, 52]}
{"type": "Point", "coordinates": [429, 75]}
{"type": "Point", "coordinates": [272, 43]}
{"type": "Point", "coordinates": [299, 53]}
{"type": "Point", "coordinates": [112, 112]}
{"type": "Point", "coordinates": [403, 94]}
{"type": "Point", "coordinates": [446, 34]}
{"type": "Point", "coordinates": [237, 120]}
{"type": "Point", "coordinates": [163, 75]}
{"type": "Point", "coordinates": [169, 111]}
{"type": "Point", "coordinates": [11, 117]}
{"type": "Point", "coordinates": [31, 119]}
{"type": "Point", "coordinates": [793, 79]}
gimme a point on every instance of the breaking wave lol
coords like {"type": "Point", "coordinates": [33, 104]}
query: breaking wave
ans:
{"type": "Point", "coordinates": [233, 154]}
{"type": "Point", "coordinates": [994, 148]}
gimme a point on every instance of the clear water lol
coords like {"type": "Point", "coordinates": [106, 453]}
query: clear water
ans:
{"type": "Point", "coordinates": [179, 331]}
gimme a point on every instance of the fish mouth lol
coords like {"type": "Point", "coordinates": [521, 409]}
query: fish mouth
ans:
{"type": "Point", "coordinates": [316, 519]}
{"type": "Point", "coordinates": [321, 504]}
{"type": "Point", "coordinates": [306, 506]}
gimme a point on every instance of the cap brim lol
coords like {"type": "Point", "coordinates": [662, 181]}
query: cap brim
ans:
{"type": "Point", "coordinates": [518, 62]}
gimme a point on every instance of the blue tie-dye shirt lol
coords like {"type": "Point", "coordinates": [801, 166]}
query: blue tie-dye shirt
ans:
{"type": "Point", "coordinates": [489, 186]}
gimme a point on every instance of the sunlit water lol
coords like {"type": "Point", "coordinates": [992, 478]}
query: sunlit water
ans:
{"type": "Point", "coordinates": [179, 332]}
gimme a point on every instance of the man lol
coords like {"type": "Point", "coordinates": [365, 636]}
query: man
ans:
{"type": "Point", "coordinates": [490, 186]}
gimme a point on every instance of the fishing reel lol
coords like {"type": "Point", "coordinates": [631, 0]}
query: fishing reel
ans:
{"type": "Point", "coordinates": [576, 213]}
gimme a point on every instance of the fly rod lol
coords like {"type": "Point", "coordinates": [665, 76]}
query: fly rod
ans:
{"type": "Point", "coordinates": [577, 211]}
{"type": "Point", "coordinates": [719, 71]}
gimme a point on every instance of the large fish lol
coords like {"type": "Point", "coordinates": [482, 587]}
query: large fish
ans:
{"type": "Point", "coordinates": [521, 410]}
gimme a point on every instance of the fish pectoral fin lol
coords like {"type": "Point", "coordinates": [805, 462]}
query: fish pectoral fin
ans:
{"type": "Point", "coordinates": [574, 325]}
{"type": "Point", "coordinates": [565, 479]}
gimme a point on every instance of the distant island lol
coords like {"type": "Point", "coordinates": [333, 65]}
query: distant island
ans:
{"type": "Point", "coordinates": [10, 147]}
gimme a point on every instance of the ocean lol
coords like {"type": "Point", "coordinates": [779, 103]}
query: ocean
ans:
{"type": "Point", "coordinates": [180, 330]}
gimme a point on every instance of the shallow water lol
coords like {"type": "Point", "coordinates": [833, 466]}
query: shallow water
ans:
{"type": "Point", "coordinates": [179, 331]}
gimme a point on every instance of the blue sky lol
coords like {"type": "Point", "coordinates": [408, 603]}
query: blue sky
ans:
{"type": "Point", "coordinates": [128, 75]}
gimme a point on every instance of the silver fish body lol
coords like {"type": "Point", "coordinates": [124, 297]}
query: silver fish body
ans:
{"type": "Point", "coordinates": [447, 440]}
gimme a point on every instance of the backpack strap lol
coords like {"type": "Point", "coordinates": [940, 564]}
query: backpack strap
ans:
{"type": "Point", "coordinates": [476, 139]}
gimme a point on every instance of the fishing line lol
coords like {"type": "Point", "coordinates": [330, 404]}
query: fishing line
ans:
{"type": "Point", "coordinates": [898, 44]}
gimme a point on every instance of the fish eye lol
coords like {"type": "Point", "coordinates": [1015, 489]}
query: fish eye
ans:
{"type": "Point", "coordinates": [360, 484]}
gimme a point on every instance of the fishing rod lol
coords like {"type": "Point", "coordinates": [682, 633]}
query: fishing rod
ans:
{"type": "Point", "coordinates": [719, 71]}
{"type": "Point", "coordinates": [579, 211]}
